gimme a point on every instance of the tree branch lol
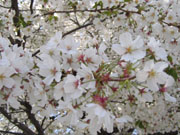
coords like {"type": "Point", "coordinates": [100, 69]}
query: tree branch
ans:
{"type": "Point", "coordinates": [93, 11]}
{"type": "Point", "coordinates": [78, 28]}
{"type": "Point", "coordinates": [32, 117]}
{"type": "Point", "coordinates": [67, 33]}
{"type": "Point", "coordinates": [14, 6]}
{"type": "Point", "coordinates": [21, 126]}
{"type": "Point", "coordinates": [172, 24]}
{"type": "Point", "coordinates": [31, 6]}
{"type": "Point", "coordinates": [5, 7]}
{"type": "Point", "coordinates": [13, 133]}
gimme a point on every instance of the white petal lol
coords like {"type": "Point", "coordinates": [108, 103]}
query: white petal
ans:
{"type": "Point", "coordinates": [152, 84]}
{"type": "Point", "coordinates": [118, 49]}
{"type": "Point", "coordinates": [69, 88]}
{"type": "Point", "coordinates": [148, 97]}
{"type": "Point", "coordinates": [48, 80]}
{"type": "Point", "coordinates": [9, 71]}
{"type": "Point", "coordinates": [169, 98]}
{"type": "Point", "coordinates": [1, 85]}
{"type": "Point", "coordinates": [13, 102]}
{"type": "Point", "coordinates": [2, 69]}
{"type": "Point", "coordinates": [141, 76]}
{"type": "Point", "coordinates": [128, 57]}
{"type": "Point", "coordinates": [149, 65]}
{"type": "Point", "coordinates": [139, 54]}
{"type": "Point", "coordinates": [94, 126]}
{"type": "Point", "coordinates": [169, 81]}
{"type": "Point", "coordinates": [58, 94]}
{"type": "Point", "coordinates": [161, 53]}
{"type": "Point", "coordinates": [160, 66]}
{"type": "Point", "coordinates": [124, 119]}
{"type": "Point", "coordinates": [8, 82]}
{"type": "Point", "coordinates": [161, 77]}
{"type": "Point", "coordinates": [100, 111]}
{"type": "Point", "coordinates": [125, 39]}
{"type": "Point", "coordinates": [44, 72]}
{"type": "Point", "coordinates": [138, 42]}
{"type": "Point", "coordinates": [109, 124]}
{"type": "Point", "coordinates": [58, 76]}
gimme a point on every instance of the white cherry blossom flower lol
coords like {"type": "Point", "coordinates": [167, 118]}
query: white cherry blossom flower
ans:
{"type": "Point", "coordinates": [70, 62]}
{"type": "Point", "coordinates": [153, 74]}
{"type": "Point", "coordinates": [92, 59]}
{"type": "Point", "coordinates": [69, 45]}
{"type": "Point", "coordinates": [88, 77]}
{"type": "Point", "coordinates": [129, 49]}
{"type": "Point", "coordinates": [143, 95]}
{"type": "Point", "coordinates": [72, 115]}
{"type": "Point", "coordinates": [5, 77]}
{"type": "Point", "coordinates": [51, 70]}
{"type": "Point", "coordinates": [171, 17]}
{"type": "Point", "coordinates": [72, 86]}
{"type": "Point", "coordinates": [59, 91]}
{"type": "Point", "coordinates": [98, 117]}
{"type": "Point", "coordinates": [155, 47]}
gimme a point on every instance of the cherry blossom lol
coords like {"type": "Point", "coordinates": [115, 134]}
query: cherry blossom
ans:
{"type": "Point", "coordinates": [131, 50]}
{"type": "Point", "coordinates": [153, 74]}
{"type": "Point", "coordinates": [72, 86]}
{"type": "Point", "coordinates": [50, 70]}
{"type": "Point", "coordinates": [83, 67]}
{"type": "Point", "coordinates": [5, 77]}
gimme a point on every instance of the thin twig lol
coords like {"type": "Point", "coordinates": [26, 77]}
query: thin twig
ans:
{"type": "Point", "coordinates": [5, 7]}
{"type": "Point", "coordinates": [78, 28]}
{"type": "Point", "coordinates": [43, 121]}
{"type": "Point", "coordinates": [122, 79]}
{"type": "Point", "coordinates": [92, 10]}
{"type": "Point", "coordinates": [13, 133]}
{"type": "Point", "coordinates": [31, 6]}
{"type": "Point", "coordinates": [67, 33]}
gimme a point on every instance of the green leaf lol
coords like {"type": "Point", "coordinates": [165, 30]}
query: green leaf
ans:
{"type": "Point", "coordinates": [172, 72]}
{"type": "Point", "coordinates": [1, 23]}
{"type": "Point", "coordinates": [140, 124]}
{"type": "Point", "coordinates": [127, 0]}
{"type": "Point", "coordinates": [73, 4]}
{"type": "Point", "coordinates": [22, 22]}
{"type": "Point", "coordinates": [55, 18]}
{"type": "Point", "coordinates": [52, 17]}
{"type": "Point", "coordinates": [45, 1]}
{"type": "Point", "coordinates": [169, 58]}
{"type": "Point", "coordinates": [98, 4]}
{"type": "Point", "coordinates": [110, 13]}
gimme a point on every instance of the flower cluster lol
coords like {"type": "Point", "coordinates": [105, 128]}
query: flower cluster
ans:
{"type": "Point", "coordinates": [70, 80]}
{"type": "Point", "coordinates": [122, 71]}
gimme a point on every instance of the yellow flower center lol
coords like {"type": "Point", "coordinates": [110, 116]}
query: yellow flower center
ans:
{"type": "Point", "coordinates": [152, 73]}
{"type": "Point", "coordinates": [88, 77]}
{"type": "Point", "coordinates": [68, 47]}
{"type": "Point", "coordinates": [69, 61]}
{"type": "Point", "coordinates": [1, 77]}
{"type": "Point", "coordinates": [170, 18]}
{"type": "Point", "coordinates": [51, 52]}
{"type": "Point", "coordinates": [53, 71]}
{"type": "Point", "coordinates": [129, 50]}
